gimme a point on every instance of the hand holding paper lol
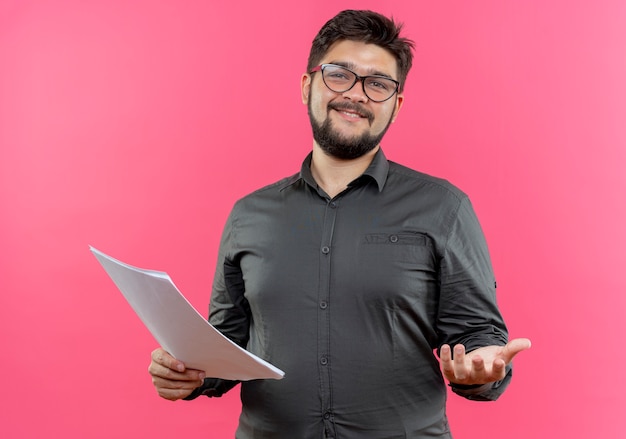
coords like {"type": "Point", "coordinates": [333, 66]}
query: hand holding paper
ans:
{"type": "Point", "coordinates": [170, 377]}
{"type": "Point", "coordinates": [179, 328]}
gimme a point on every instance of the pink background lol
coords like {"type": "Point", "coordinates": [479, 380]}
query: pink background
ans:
{"type": "Point", "coordinates": [134, 126]}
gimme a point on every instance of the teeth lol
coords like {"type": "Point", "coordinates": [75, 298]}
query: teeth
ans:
{"type": "Point", "coordinates": [351, 114]}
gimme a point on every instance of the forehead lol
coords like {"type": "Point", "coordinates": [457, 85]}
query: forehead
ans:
{"type": "Point", "coordinates": [363, 58]}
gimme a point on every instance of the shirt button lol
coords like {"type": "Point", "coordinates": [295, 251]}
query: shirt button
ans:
{"type": "Point", "coordinates": [327, 415]}
{"type": "Point", "coordinates": [323, 304]}
{"type": "Point", "coordinates": [325, 250]}
{"type": "Point", "coordinates": [393, 238]}
{"type": "Point", "coordinates": [332, 205]}
{"type": "Point", "coordinates": [323, 361]}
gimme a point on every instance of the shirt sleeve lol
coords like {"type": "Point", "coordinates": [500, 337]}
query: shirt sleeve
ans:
{"type": "Point", "coordinates": [212, 387]}
{"type": "Point", "coordinates": [484, 392]}
{"type": "Point", "coordinates": [229, 311]}
{"type": "Point", "coordinates": [468, 313]}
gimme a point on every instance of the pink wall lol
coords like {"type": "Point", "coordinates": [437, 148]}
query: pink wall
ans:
{"type": "Point", "coordinates": [133, 127]}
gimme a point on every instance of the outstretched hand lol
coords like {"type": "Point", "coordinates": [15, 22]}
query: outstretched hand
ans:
{"type": "Point", "coordinates": [481, 366]}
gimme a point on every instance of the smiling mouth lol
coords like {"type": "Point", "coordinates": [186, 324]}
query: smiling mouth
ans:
{"type": "Point", "coordinates": [352, 112]}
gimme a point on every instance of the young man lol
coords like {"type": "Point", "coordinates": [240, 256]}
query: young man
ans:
{"type": "Point", "coordinates": [350, 273]}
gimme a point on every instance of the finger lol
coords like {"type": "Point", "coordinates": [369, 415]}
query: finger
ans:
{"type": "Point", "coordinates": [165, 384]}
{"type": "Point", "coordinates": [478, 366]}
{"type": "Point", "coordinates": [447, 366]}
{"type": "Point", "coordinates": [460, 368]}
{"type": "Point", "coordinates": [174, 389]}
{"type": "Point", "coordinates": [173, 394]}
{"type": "Point", "coordinates": [445, 353]}
{"type": "Point", "coordinates": [163, 358]}
{"type": "Point", "coordinates": [158, 370]}
{"type": "Point", "coordinates": [498, 370]}
{"type": "Point", "coordinates": [514, 347]}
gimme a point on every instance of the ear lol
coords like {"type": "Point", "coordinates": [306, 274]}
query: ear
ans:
{"type": "Point", "coordinates": [396, 110]}
{"type": "Point", "coordinates": [305, 87]}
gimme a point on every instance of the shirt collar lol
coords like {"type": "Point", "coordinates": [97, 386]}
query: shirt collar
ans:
{"type": "Point", "coordinates": [377, 170]}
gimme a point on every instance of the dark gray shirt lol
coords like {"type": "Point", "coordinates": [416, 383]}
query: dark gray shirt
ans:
{"type": "Point", "coordinates": [350, 296]}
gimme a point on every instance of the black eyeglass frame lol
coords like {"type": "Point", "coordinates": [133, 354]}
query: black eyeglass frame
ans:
{"type": "Point", "coordinates": [357, 78]}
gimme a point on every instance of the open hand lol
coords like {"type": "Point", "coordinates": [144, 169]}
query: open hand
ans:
{"type": "Point", "coordinates": [481, 366]}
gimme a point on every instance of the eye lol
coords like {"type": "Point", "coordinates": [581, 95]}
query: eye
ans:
{"type": "Point", "coordinates": [336, 74]}
{"type": "Point", "coordinates": [379, 84]}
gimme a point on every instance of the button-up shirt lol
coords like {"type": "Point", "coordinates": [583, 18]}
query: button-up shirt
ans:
{"type": "Point", "coordinates": [351, 296]}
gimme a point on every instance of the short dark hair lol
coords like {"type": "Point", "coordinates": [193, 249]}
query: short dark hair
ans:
{"type": "Point", "coordinates": [367, 27]}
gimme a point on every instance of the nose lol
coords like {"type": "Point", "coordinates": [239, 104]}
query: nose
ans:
{"type": "Point", "coordinates": [356, 92]}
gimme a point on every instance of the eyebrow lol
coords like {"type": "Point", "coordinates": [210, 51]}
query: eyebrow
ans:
{"type": "Point", "coordinates": [352, 66]}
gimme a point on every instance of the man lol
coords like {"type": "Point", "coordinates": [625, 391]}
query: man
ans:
{"type": "Point", "coordinates": [349, 274]}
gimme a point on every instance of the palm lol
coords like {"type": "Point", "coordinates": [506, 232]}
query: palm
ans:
{"type": "Point", "coordinates": [481, 366]}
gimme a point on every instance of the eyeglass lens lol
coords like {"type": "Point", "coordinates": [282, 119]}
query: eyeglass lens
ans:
{"type": "Point", "coordinates": [340, 79]}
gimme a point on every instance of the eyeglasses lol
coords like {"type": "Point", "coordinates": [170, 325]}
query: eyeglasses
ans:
{"type": "Point", "coordinates": [339, 79]}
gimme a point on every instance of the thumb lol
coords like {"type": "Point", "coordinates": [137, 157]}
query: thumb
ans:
{"type": "Point", "coordinates": [514, 347]}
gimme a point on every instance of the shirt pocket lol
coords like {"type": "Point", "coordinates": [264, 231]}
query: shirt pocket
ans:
{"type": "Point", "coordinates": [412, 251]}
{"type": "Point", "coordinates": [399, 269]}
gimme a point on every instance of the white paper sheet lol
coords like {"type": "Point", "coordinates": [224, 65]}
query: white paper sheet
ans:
{"type": "Point", "coordinates": [179, 328]}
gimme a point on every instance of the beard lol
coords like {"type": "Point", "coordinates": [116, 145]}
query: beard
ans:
{"type": "Point", "coordinates": [341, 147]}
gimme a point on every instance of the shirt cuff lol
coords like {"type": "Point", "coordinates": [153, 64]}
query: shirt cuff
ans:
{"type": "Point", "coordinates": [213, 388]}
{"type": "Point", "coordinates": [484, 392]}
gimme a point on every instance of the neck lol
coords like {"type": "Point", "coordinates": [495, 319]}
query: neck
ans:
{"type": "Point", "coordinates": [333, 175]}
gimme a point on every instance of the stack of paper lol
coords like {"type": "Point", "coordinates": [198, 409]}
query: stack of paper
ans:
{"type": "Point", "coordinates": [179, 328]}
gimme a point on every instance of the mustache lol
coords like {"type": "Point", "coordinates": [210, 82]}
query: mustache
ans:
{"type": "Point", "coordinates": [350, 106]}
